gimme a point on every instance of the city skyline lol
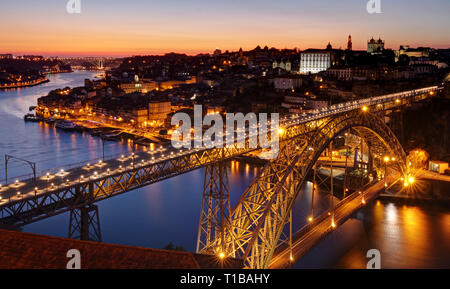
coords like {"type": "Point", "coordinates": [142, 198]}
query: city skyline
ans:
{"type": "Point", "coordinates": [117, 28]}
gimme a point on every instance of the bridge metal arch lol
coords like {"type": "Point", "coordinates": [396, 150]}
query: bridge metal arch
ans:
{"type": "Point", "coordinates": [255, 225]}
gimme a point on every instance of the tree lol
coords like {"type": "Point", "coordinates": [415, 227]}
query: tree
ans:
{"type": "Point", "coordinates": [170, 246]}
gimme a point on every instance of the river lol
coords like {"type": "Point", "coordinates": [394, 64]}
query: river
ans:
{"type": "Point", "coordinates": [168, 211]}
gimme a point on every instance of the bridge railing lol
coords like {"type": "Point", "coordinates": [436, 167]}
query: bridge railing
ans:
{"type": "Point", "coordinates": [323, 216]}
{"type": "Point", "coordinates": [54, 170]}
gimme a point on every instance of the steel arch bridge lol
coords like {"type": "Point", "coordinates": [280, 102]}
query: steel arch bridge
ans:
{"type": "Point", "coordinates": [254, 229]}
{"type": "Point", "coordinates": [255, 225]}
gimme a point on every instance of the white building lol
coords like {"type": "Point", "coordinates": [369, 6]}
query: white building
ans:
{"type": "Point", "coordinates": [314, 61]}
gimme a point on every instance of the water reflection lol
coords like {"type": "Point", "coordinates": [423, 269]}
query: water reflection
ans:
{"type": "Point", "coordinates": [407, 237]}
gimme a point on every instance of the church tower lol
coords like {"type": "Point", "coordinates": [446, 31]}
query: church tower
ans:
{"type": "Point", "coordinates": [349, 43]}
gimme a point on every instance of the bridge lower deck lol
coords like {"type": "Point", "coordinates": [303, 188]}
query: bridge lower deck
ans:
{"type": "Point", "coordinates": [313, 233]}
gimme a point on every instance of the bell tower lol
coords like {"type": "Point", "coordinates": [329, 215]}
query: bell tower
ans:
{"type": "Point", "coordinates": [349, 43]}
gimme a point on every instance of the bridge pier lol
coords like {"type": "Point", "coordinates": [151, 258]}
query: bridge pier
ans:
{"type": "Point", "coordinates": [85, 224]}
{"type": "Point", "coordinates": [215, 206]}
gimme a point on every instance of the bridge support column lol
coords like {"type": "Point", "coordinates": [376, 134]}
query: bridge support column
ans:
{"type": "Point", "coordinates": [85, 224]}
{"type": "Point", "coordinates": [215, 206]}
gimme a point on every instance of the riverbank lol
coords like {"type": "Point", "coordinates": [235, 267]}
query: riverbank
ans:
{"type": "Point", "coordinates": [426, 191]}
{"type": "Point", "coordinates": [27, 84]}
{"type": "Point", "coordinates": [408, 200]}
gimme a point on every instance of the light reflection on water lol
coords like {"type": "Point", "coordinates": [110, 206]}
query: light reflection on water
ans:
{"type": "Point", "coordinates": [169, 210]}
{"type": "Point", "coordinates": [406, 236]}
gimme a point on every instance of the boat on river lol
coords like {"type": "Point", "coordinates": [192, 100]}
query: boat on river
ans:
{"type": "Point", "coordinates": [32, 117]}
{"type": "Point", "coordinates": [65, 125]}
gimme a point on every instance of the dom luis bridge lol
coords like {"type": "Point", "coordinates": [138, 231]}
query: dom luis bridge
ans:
{"type": "Point", "coordinates": [258, 230]}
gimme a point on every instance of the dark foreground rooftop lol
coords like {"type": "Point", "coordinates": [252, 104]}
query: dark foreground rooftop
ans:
{"type": "Point", "coordinates": [33, 251]}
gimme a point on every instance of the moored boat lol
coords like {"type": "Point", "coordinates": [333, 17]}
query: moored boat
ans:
{"type": "Point", "coordinates": [66, 125]}
{"type": "Point", "coordinates": [31, 117]}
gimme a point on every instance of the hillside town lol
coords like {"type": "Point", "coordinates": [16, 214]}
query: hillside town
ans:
{"type": "Point", "coordinates": [142, 93]}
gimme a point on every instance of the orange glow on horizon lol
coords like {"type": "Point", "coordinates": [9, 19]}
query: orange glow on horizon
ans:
{"type": "Point", "coordinates": [158, 27]}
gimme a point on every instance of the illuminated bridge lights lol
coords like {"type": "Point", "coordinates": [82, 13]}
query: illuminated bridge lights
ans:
{"type": "Point", "coordinates": [177, 164]}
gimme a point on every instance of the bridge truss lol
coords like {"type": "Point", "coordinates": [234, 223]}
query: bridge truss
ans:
{"type": "Point", "coordinates": [254, 228]}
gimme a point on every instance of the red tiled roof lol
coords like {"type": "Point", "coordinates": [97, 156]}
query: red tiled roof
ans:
{"type": "Point", "coordinates": [33, 251]}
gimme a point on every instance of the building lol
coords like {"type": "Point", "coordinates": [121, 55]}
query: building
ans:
{"type": "Point", "coordinates": [158, 111]}
{"type": "Point", "coordinates": [412, 52]}
{"type": "Point", "coordinates": [314, 61]}
{"type": "Point", "coordinates": [349, 43]}
{"type": "Point", "coordinates": [6, 56]}
{"type": "Point", "coordinates": [283, 65]}
{"type": "Point", "coordinates": [287, 82]}
{"type": "Point", "coordinates": [316, 104]}
{"type": "Point", "coordinates": [438, 167]}
{"type": "Point", "coordinates": [294, 104]}
{"type": "Point", "coordinates": [340, 73]}
{"type": "Point", "coordinates": [375, 46]}
{"type": "Point", "coordinates": [139, 86]}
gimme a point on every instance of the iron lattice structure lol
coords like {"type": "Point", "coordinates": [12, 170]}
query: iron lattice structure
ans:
{"type": "Point", "coordinates": [64, 197]}
{"type": "Point", "coordinates": [85, 224]}
{"type": "Point", "coordinates": [254, 225]}
{"type": "Point", "coordinates": [258, 219]}
{"type": "Point", "coordinates": [215, 205]}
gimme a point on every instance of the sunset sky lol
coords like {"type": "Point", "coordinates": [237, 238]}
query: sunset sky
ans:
{"type": "Point", "coordinates": [132, 27]}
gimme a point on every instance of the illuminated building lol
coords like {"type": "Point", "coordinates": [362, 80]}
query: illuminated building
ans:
{"type": "Point", "coordinates": [375, 46]}
{"type": "Point", "coordinates": [158, 111]}
{"type": "Point", "coordinates": [314, 61]}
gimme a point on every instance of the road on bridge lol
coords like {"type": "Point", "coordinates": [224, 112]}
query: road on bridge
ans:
{"type": "Point", "coordinates": [313, 233]}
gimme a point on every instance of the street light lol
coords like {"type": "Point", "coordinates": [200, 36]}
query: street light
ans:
{"type": "Point", "coordinates": [386, 161]}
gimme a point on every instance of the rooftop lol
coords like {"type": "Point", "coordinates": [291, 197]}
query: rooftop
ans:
{"type": "Point", "coordinates": [32, 251]}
